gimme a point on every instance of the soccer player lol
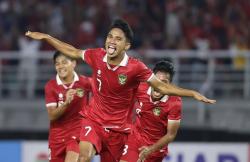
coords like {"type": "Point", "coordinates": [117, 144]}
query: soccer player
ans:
{"type": "Point", "coordinates": [157, 120]}
{"type": "Point", "coordinates": [65, 96]}
{"type": "Point", "coordinates": [115, 78]}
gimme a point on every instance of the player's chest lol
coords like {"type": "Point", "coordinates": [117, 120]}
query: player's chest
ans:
{"type": "Point", "coordinates": [116, 80]}
{"type": "Point", "coordinates": [61, 91]}
{"type": "Point", "coordinates": [158, 111]}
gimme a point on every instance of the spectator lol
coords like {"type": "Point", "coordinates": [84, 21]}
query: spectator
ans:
{"type": "Point", "coordinates": [27, 70]}
{"type": "Point", "coordinates": [168, 22]}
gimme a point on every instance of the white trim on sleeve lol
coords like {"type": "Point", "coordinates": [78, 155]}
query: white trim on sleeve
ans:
{"type": "Point", "coordinates": [169, 120]}
{"type": "Point", "coordinates": [52, 104]}
{"type": "Point", "coordinates": [83, 54]}
{"type": "Point", "coordinates": [151, 77]}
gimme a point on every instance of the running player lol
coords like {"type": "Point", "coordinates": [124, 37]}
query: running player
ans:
{"type": "Point", "coordinates": [157, 120]}
{"type": "Point", "coordinates": [115, 77]}
{"type": "Point", "coordinates": [65, 96]}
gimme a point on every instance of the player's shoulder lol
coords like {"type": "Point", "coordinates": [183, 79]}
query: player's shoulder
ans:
{"type": "Point", "coordinates": [96, 50]}
{"type": "Point", "coordinates": [136, 64]}
{"type": "Point", "coordinates": [175, 99]}
{"type": "Point", "coordinates": [84, 79]}
{"type": "Point", "coordinates": [85, 82]}
{"type": "Point", "coordinates": [51, 83]}
{"type": "Point", "coordinates": [134, 60]}
{"type": "Point", "coordinates": [143, 86]}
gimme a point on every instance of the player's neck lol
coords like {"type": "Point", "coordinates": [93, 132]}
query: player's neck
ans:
{"type": "Point", "coordinates": [116, 60]}
{"type": "Point", "coordinates": [68, 79]}
{"type": "Point", "coordinates": [155, 99]}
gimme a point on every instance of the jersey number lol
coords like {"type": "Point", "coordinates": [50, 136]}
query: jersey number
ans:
{"type": "Point", "coordinates": [88, 128]}
{"type": "Point", "coordinates": [100, 84]}
{"type": "Point", "coordinates": [125, 150]}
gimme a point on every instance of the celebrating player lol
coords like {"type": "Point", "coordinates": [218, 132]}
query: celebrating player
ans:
{"type": "Point", "coordinates": [115, 77]}
{"type": "Point", "coordinates": [65, 96]}
{"type": "Point", "coordinates": [157, 120]}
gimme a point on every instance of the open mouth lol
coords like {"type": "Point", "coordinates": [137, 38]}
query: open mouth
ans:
{"type": "Point", "coordinates": [62, 71]}
{"type": "Point", "coordinates": [111, 50]}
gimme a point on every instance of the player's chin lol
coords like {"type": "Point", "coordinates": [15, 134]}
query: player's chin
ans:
{"type": "Point", "coordinates": [157, 97]}
{"type": "Point", "coordinates": [62, 75]}
{"type": "Point", "coordinates": [112, 55]}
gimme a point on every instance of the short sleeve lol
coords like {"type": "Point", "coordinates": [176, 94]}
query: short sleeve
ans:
{"type": "Point", "coordinates": [144, 74]}
{"type": "Point", "coordinates": [50, 97]}
{"type": "Point", "coordinates": [89, 56]}
{"type": "Point", "coordinates": [175, 110]}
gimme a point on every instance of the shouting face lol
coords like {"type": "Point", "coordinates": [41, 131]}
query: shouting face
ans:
{"type": "Point", "coordinates": [116, 43]}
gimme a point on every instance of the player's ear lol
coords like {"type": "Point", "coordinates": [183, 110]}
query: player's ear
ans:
{"type": "Point", "coordinates": [128, 45]}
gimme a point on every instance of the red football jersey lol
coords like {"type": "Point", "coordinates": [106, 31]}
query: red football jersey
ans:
{"type": "Point", "coordinates": [70, 121]}
{"type": "Point", "coordinates": [152, 117]}
{"type": "Point", "coordinates": [113, 88]}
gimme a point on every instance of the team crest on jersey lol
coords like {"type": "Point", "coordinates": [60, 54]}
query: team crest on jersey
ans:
{"type": "Point", "coordinates": [122, 79]}
{"type": "Point", "coordinates": [157, 111]}
{"type": "Point", "coordinates": [79, 92]}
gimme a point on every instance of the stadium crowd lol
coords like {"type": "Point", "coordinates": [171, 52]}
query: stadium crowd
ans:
{"type": "Point", "coordinates": [158, 24]}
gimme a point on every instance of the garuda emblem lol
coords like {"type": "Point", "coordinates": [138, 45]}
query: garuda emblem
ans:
{"type": "Point", "coordinates": [122, 79]}
{"type": "Point", "coordinates": [79, 92]}
{"type": "Point", "coordinates": [157, 111]}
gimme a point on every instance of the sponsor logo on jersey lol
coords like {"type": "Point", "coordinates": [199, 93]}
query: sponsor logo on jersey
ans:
{"type": "Point", "coordinates": [60, 99]}
{"type": "Point", "coordinates": [79, 92]}
{"type": "Point", "coordinates": [157, 111]}
{"type": "Point", "coordinates": [99, 72]}
{"type": "Point", "coordinates": [122, 79]}
{"type": "Point", "coordinates": [60, 96]}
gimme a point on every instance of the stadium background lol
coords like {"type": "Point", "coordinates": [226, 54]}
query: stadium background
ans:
{"type": "Point", "coordinates": [208, 41]}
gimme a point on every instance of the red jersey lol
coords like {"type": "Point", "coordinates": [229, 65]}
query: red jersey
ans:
{"type": "Point", "coordinates": [152, 117]}
{"type": "Point", "coordinates": [113, 88]}
{"type": "Point", "coordinates": [70, 121]}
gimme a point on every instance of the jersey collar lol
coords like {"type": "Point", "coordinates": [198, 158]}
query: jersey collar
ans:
{"type": "Point", "coordinates": [124, 62]}
{"type": "Point", "coordinates": [59, 81]}
{"type": "Point", "coordinates": [163, 99]}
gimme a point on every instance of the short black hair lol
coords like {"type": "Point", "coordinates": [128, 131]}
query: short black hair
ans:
{"type": "Point", "coordinates": [165, 66]}
{"type": "Point", "coordinates": [57, 54]}
{"type": "Point", "coordinates": [124, 26]}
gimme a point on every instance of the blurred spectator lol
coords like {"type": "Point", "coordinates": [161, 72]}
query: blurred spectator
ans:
{"type": "Point", "coordinates": [85, 34]}
{"type": "Point", "coordinates": [169, 24]}
{"type": "Point", "coordinates": [27, 70]}
{"type": "Point", "coordinates": [238, 48]}
{"type": "Point", "coordinates": [173, 24]}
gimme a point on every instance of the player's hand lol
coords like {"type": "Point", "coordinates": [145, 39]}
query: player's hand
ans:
{"type": "Point", "coordinates": [202, 98]}
{"type": "Point", "coordinates": [144, 152]}
{"type": "Point", "coordinates": [70, 95]}
{"type": "Point", "coordinates": [36, 35]}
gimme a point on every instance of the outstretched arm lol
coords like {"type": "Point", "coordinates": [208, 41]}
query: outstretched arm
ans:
{"type": "Point", "coordinates": [170, 89]}
{"type": "Point", "coordinates": [64, 48]}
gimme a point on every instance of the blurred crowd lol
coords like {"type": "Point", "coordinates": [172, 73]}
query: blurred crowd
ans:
{"type": "Point", "coordinates": [158, 24]}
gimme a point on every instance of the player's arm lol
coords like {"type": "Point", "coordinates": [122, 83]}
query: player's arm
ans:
{"type": "Point", "coordinates": [170, 89]}
{"type": "Point", "coordinates": [56, 112]}
{"type": "Point", "coordinates": [172, 129]}
{"type": "Point", "coordinates": [64, 48]}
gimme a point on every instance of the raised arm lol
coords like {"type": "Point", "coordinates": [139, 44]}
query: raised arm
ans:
{"type": "Point", "coordinates": [64, 48]}
{"type": "Point", "coordinates": [170, 89]}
